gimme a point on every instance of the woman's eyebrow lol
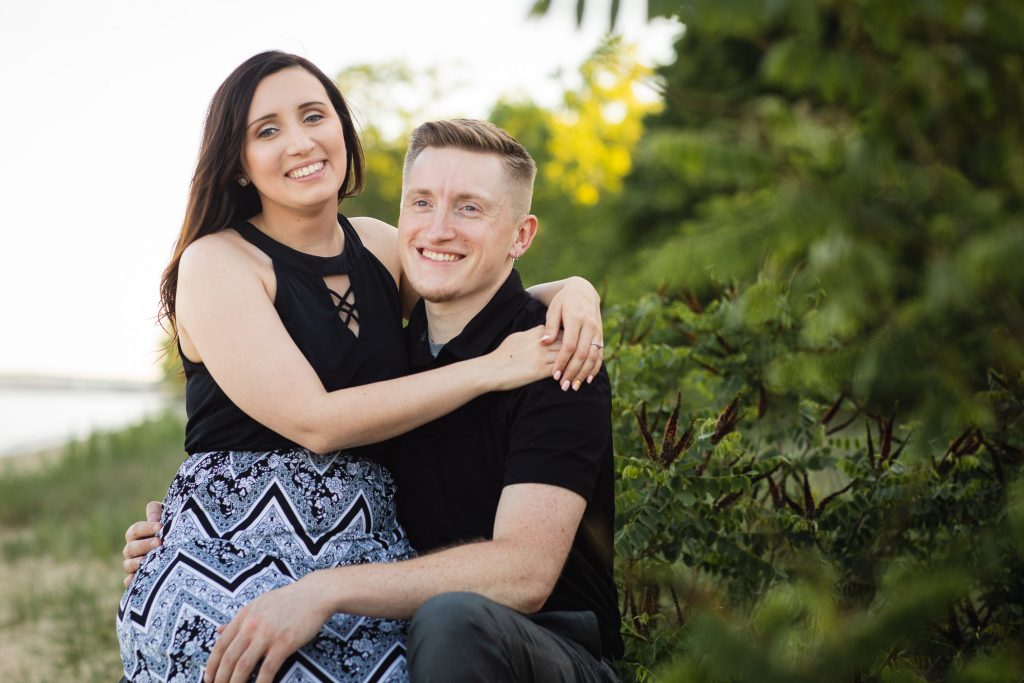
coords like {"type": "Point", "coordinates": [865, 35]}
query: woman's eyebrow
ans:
{"type": "Point", "coordinates": [262, 118]}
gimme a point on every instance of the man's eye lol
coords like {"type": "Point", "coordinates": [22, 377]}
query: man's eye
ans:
{"type": "Point", "coordinates": [266, 132]}
{"type": "Point", "coordinates": [469, 208]}
{"type": "Point", "coordinates": [421, 203]}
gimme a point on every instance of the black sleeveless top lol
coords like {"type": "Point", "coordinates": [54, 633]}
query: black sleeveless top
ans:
{"type": "Point", "coordinates": [315, 318]}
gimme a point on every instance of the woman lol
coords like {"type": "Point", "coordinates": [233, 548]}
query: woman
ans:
{"type": "Point", "coordinates": [289, 326]}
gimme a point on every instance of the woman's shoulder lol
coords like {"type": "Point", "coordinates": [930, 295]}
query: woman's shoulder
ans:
{"type": "Point", "coordinates": [374, 230]}
{"type": "Point", "coordinates": [220, 250]}
{"type": "Point", "coordinates": [381, 239]}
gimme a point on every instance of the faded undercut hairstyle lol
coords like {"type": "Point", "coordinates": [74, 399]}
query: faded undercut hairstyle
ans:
{"type": "Point", "coordinates": [474, 135]}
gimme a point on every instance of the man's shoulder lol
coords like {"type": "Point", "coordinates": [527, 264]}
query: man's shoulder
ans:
{"type": "Point", "coordinates": [531, 314]}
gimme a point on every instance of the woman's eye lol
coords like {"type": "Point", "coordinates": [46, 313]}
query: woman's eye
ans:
{"type": "Point", "coordinates": [266, 132]}
{"type": "Point", "coordinates": [313, 118]}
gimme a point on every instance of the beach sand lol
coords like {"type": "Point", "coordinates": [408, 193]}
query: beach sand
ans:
{"type": "Point", "coordinates": [30, 459]}
{"type": "Point", "coordinates": [52, 626]}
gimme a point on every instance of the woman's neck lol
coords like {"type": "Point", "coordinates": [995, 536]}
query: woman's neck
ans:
{"type": "Point", "coordinates": [314, 233]}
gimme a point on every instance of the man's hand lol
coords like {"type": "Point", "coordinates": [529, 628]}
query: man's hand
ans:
{"type": "Point", "coordinates": [140, 539]}
{"type": "Point", "coordinates": [270, 628]}
{"type": "Point", "coordinates": [577, 310]}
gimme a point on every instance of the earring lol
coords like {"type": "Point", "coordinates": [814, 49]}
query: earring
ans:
{"type": "Point", "coordinates": [243, 181]}
{"type": "Point", "coordinates": [515, 259]}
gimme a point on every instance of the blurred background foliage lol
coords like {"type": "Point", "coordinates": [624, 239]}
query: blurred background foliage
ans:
{"type": "Point", "coordinates": [816, 337]}
{"type": "Point", "coordinates": [808, 230]}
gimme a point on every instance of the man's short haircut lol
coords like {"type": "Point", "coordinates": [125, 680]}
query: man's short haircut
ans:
{"type": "Point", "coordinates": [474, 135]}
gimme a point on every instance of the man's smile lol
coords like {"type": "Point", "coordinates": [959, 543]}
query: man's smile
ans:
{"type": "Point", "coordinates": [440, 255]}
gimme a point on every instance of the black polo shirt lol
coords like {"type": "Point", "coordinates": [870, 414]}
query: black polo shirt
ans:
{"type": "Point", "coordinates": [451, 472]}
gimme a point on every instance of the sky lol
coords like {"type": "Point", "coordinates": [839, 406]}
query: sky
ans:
{"type": "Point", "coordinates": [102, 109]}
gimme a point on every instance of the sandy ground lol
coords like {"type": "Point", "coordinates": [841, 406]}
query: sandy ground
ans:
{"type": "Point", "coordinates": [56, 617]}
{"type": "Point", "coordinates": [20, 462]}
{"type": "Point", "coordinates": [53, 625]}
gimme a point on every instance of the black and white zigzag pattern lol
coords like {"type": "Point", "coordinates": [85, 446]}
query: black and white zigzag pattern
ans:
{"type": "Point", "coordinates": [238, 524]}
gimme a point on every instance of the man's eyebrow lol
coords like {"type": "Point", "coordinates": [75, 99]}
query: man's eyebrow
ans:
{"type": "Point", "coordinates": [304, 105]}
{"type": "Point", "coordinates": [482, 198]}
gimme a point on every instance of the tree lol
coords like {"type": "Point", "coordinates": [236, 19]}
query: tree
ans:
{"type": "Point", "coordinates": [854, 168]}
{"type": "Point", "coordinates": [830, 208]}
{"type": "Point", "coordinates": [583, 153]}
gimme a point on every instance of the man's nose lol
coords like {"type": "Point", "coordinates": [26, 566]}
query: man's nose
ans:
{"type": "Point", "coordinates": [440, 227]}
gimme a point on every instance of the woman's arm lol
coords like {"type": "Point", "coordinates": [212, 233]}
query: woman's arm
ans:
{"type": "Point", "coordinates": [573, 306]}
{"type": "Point", "coordinates": [225, 313]}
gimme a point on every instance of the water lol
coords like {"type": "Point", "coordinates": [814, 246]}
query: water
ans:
{"type": "Point", "coordinates": [36, 418]}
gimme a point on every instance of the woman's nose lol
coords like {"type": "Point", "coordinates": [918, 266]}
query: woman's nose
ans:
{"type": "Point", "coordinates": [299, 142]}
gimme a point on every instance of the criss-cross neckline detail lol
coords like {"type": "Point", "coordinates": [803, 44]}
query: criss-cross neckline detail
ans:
{"type": "Point", "coordinates": [346, 309]}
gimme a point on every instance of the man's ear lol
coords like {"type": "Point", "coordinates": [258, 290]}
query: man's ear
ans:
{"type": "Point", "coordinates": [526, 230]}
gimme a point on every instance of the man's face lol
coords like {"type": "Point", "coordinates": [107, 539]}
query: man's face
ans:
{"type": "Point", "coordinates": [457, 232]}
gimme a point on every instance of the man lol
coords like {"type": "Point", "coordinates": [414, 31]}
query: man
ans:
{"type": "Point", "coordinates": [509, 498]}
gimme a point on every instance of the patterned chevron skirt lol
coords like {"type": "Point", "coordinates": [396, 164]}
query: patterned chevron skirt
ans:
{"type": "Point", "coordinates": [238, 524]}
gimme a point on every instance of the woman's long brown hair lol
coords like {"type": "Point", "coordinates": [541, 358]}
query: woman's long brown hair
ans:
{"type": "Point", "coordinates": [215, 199]}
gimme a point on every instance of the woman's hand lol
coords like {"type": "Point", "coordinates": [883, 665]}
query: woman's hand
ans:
{"type": "Point", "coordinates": [577, 310]}
{"type": "Point", "coordinates": [266, 632]}
{"type": "Point", "coordinates": [140, 538]}
{"type": "Point", "coordinates": [522, 358]}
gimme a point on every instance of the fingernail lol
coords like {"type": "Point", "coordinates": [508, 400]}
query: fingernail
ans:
{"type": "Point", "coordinates": [545, 337]}
{"type": "Point", "coordinates": [590, 378]}
{"type": "Point", "coordinates": [565, 385]}
{"type": "Point", "coordinates": [558, 375]}
{"type": "Point", "coordinates": [576, 385]}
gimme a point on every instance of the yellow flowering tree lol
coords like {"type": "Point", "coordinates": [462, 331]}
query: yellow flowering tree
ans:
{"type": "Point", "coordinates": [593, 136]}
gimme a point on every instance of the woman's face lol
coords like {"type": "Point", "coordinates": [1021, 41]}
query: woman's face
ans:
{"type": "Point", "coordinates": [294, 150]}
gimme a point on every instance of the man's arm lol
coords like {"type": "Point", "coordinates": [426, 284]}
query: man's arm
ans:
{"type": "Point", "coordinates": [533, 531]}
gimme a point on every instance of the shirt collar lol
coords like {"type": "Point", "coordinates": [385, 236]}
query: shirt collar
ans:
{"type": "Point", "coordinates": [479, 334]}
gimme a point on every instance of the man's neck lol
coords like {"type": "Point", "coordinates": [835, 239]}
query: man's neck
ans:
{"type": "Point", "coordinates": [444, 324]}
{"type": "Point", "coordinates": [447, 319]}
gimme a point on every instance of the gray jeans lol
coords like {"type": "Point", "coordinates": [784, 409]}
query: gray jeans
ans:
{"type": "Point", "coordinates": [466, 637]}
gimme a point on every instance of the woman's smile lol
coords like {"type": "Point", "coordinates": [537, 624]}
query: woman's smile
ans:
{"type": "Point", "coordinates": [314, 169]}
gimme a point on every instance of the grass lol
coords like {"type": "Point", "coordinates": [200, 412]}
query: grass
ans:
{"type": "Point", "coordinates": [62, 528]}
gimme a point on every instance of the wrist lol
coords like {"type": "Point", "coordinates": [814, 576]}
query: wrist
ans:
{"type": "Point", "coordinates": [586, 284]}
{"type": "Point", "coordinates": [485, 372]}
{"type": "Point", "coordinates": [326, 590]}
